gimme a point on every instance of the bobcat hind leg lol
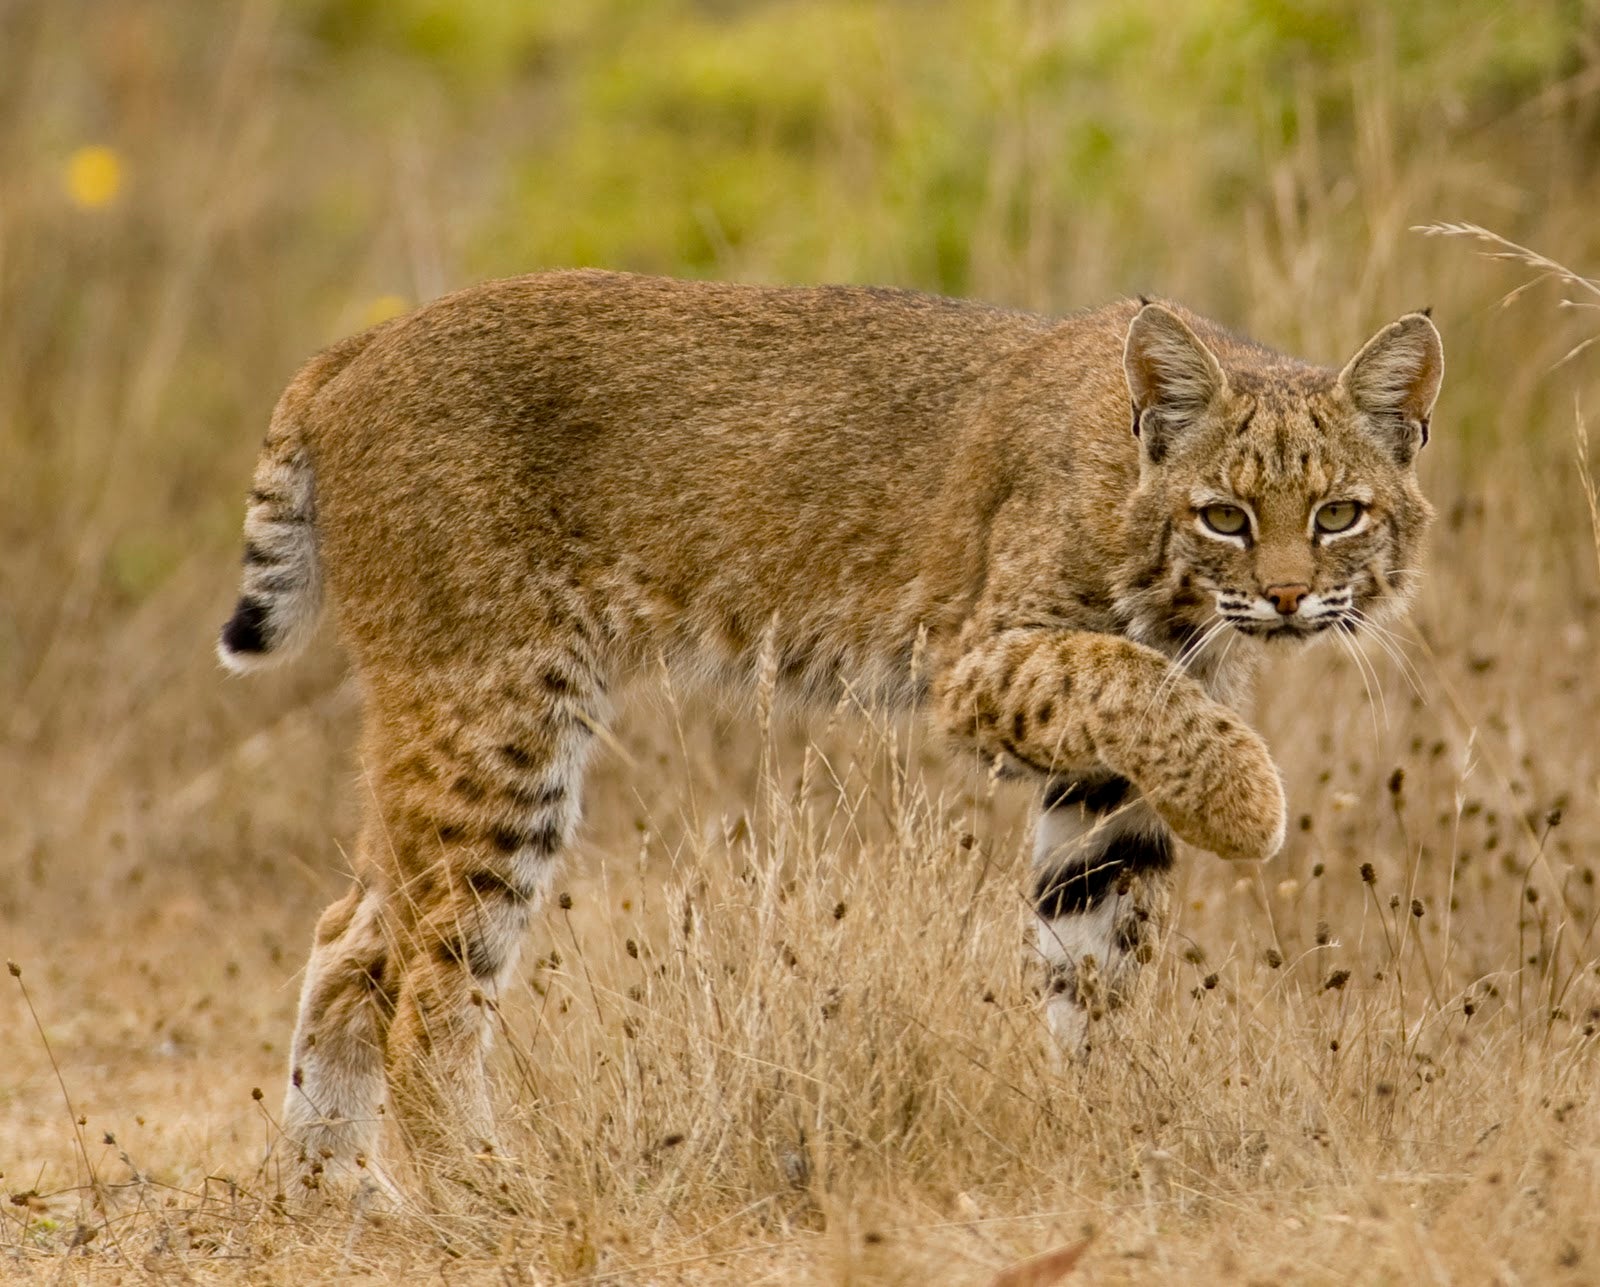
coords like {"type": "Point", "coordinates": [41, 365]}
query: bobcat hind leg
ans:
{"type": "Point", "coordinates": [332, 1107]}
{"type": "Point", "coordinates": [474, 780]}
{"type": "Point", "coordinates": [476, 832]}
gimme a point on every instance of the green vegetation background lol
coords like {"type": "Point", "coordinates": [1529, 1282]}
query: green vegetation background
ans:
{"type": "Point", "coordinates": [859, 140]}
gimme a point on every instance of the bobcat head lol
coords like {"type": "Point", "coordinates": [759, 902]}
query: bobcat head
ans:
{"type": "Point", "coordinates": [1275, 499]}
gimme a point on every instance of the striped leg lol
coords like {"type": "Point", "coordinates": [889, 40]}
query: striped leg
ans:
{"type": "Point", "coordinates": [478, 849]}
{"type": "Point", "coordinates": [473, 792]}
{"type": "Point", "coordinates": [1102, 868]}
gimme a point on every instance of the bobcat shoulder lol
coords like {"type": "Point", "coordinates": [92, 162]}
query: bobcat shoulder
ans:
{"type": "Point", "coordinates": [523, 493]}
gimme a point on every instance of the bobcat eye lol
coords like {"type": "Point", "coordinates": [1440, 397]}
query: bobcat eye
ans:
{"type": "Point", "coordinates": [1338, 516]}
{"type": "Point", "coordinates": [1228, 520]}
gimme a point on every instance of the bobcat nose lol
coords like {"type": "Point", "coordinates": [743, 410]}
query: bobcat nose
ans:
{"type": "Point", "coordinates": [1286, 598]}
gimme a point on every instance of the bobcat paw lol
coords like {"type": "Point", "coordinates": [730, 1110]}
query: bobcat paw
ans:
{"type": "Point", "coordinates": [1229, 799]}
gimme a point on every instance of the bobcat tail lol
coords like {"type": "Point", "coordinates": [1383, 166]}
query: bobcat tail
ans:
{"type": "Point", "coordinates": [280, 593]}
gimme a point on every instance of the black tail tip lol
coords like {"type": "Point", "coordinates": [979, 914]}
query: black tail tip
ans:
{"type": "Point", "coordinates": [246, 630]}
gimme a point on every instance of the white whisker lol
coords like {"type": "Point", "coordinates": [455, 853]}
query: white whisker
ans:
{"type": "Point", "coordinates": [1361, 668]}
{"type": "Point", "coordinates": [1393, 647]}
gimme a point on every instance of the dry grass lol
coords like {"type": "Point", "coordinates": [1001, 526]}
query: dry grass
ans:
{"type": "Point", "coordinates": [786, 1031]}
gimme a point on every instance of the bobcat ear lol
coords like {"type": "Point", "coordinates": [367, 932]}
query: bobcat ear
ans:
{"type": "Point", "coordinates": [1172, 377]}
{"type": "Point", "coordinates": [1394, 381]}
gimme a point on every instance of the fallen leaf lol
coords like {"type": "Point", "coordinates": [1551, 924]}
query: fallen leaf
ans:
{"type": "Point", "coordinates": [1042, 1270]}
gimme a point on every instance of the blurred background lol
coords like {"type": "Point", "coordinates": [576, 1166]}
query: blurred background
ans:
{"type": "Point", "coordinates": [194, 197]}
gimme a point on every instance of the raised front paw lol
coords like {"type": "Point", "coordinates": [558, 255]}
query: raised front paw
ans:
{"type": "Point", "coordinates": [1222, 791]}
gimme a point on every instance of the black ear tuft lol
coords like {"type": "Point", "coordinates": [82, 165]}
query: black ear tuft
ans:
{"type": "Point", "coordinates": [1144, 300]}
{"type": "Point", "coordinates": [1426, 310]}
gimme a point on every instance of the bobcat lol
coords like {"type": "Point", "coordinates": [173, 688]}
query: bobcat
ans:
{"type": "Point", "coordinates": [524, 493]}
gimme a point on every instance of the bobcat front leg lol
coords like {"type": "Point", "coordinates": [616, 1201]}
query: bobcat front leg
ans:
{"type": "Point", "coordinates": [1130, 746]}
{"type": "Point", "coordinates": [1066, 702]}
{"type": "Point", "coordinates": [1102, 863]}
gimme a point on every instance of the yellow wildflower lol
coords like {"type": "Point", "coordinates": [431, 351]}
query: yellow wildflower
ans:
{"type": "Point", "coordinates": [93, 176]}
